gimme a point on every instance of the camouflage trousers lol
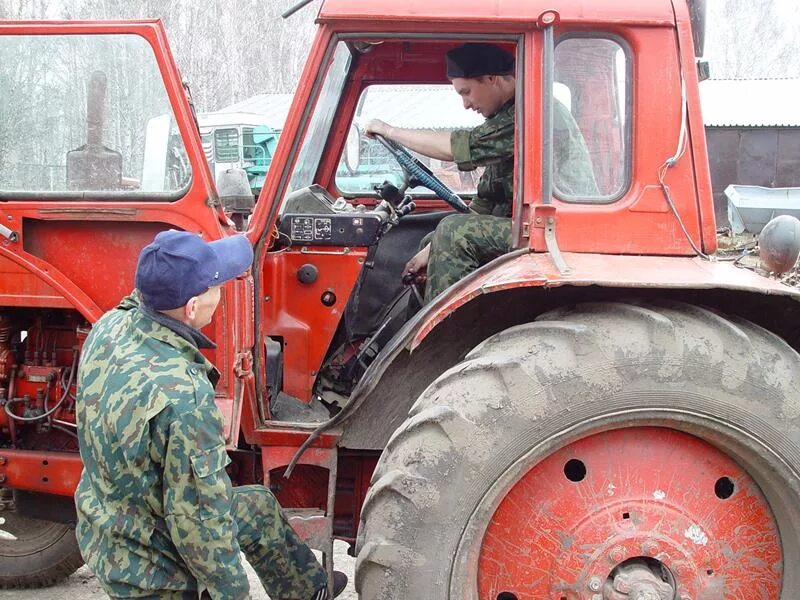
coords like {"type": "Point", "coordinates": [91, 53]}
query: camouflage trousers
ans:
{"type": "Point", "coordinates": [461, 244]}
{"type": "Point", "coordinates": [287, 568]}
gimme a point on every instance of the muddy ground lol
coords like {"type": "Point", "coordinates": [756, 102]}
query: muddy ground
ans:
{"type": "Point", "coordinates": [83, 586]}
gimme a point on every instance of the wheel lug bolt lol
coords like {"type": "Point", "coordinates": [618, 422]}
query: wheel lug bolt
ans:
{"type": "Point", "coordinates": [594, 584]}
{"type": "Point", "coordinates": [617, 554]}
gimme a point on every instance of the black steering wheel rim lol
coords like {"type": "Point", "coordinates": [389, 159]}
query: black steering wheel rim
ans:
{"type": "Point", "coordinates": [418, 171]}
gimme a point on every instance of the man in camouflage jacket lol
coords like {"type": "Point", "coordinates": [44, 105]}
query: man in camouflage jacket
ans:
{"type": "Point", "coordinates": [157, 516]}
{"type": "Point", "coordinates": [483, 75]}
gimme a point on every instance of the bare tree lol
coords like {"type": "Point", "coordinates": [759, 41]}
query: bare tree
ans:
{"type": "Point", "coordinates": [747, 39]}
{"type": "Point", "coordinates": [229, 50]}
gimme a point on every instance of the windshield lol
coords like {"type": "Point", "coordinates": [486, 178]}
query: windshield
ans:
{"type": "Point", "coordinates": [320, 125]}
{"type": "Point", "coordinates": [411, 106]}
{"type": "Point", "coordinates": [86, 113]}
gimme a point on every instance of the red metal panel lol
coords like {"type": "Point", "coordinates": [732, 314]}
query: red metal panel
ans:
{"type": "Point", "coordinates": [696, 144]}
{"type": "Point", "coordinates": [538, 270]}
{"type": "Point", "coordinates": [20, 287]}
{"type": "Point", "coordinates": [294, 310]}
{"type": "Point", "coordinates": [640, 221]}
{"type": "Point", "coordinates": [290, 438]}
{"type": "Point", "coordinates": [50, 472]}
{"type": "Point", "coordinates": [650, 12]}
{"type": "Point", "coordinates": [74, 248]}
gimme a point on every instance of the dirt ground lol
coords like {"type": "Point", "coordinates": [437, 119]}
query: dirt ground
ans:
{"type": "Point", "coordinates": [83, 586]}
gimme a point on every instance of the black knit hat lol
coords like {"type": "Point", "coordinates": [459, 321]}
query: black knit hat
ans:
{"type": "Point", "coordinates": [475, 59]}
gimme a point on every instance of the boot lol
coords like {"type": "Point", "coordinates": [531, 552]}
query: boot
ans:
{"type": "Point", "coordinates": [339, 585]}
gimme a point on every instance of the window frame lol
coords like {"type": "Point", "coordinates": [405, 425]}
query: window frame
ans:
{"type": "Point", "coordinates": [107, 197]}
{"type": "Point", "coordinates": [627, 171]}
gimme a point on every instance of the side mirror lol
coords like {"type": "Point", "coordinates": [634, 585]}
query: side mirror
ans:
{"type": "Point", "coordinates": [779, 244]}
{"type": "Point", "coordinates": [352, 149]}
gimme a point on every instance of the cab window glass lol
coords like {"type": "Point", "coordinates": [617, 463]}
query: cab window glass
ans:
{"type": "Point", "coordinates": [591, 136]}
{"type": "Point", "coordinates": [322, 119]}
{"type": "Point", "coordinates": [420, 107]}
{"type": "Point", "coordinates": [86, 113]}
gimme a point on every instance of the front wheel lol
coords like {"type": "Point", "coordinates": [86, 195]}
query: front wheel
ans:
{"type": "Point", "coordinates": [34, 552]}
{"type": "Point", "coordinates": [604, 451]}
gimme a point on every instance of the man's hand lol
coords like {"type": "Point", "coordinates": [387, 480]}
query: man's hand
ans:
{"type": "Point", "coordinates": [417, 267]}
{"type": "Point", "coordinates": [376, 126]}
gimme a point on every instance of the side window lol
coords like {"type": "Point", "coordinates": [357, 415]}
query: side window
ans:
{"type": "Point", "coordinates": [226, 145]}
{"type": "Point", "coordinates": [249, 148]}
{"type": "Point", "coordinates": [423, 107]}
{"type": "Point", "coordinates": [591, 136]}
{"type": "Point", "coordinates": [93, 116]}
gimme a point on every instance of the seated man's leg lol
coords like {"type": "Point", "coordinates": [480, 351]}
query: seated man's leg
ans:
{"type": "Point", "coordinates": [286, 566]}
{"type": "Point", "coordinates": [461, 244]}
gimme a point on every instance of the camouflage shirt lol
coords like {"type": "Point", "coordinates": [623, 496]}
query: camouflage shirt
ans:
{"type": "Point", "coordinates": [154, 500]}
{"type": "Point", "coordinates": [491, 145]}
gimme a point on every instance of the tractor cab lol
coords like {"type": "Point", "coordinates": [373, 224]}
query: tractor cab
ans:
{"type": "Point", "coordinates": [354, 209]}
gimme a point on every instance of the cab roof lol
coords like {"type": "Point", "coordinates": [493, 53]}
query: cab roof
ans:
{"type": "Point", "coordinates": [642, 12]}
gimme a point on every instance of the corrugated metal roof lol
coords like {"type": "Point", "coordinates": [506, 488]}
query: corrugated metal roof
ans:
{"type": "Point", "coordinates": [273, 107]}
{"type": "Point", "coordinates": [412, 107]}
{"type": "Point", "coordinates": [751, 102]}
{"type": "Point", "coordinates": [418, 107]}
{"type": "Point", "coordinates": [218, 119]}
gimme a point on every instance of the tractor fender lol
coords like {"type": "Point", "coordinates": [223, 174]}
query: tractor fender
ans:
{"type": "Point", "coordinates": [515, 289]}
{"type": "Point", "coordinates": [612, 271]}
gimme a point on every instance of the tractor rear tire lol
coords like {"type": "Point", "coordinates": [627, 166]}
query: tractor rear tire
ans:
{"type": "Point", "coordinates": [36, 553]}
{"type": "Point", "coordinates": [575, 372]}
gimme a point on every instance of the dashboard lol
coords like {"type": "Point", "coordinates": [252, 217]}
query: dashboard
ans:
{"type": "Point", "coordinates": [312, 217]}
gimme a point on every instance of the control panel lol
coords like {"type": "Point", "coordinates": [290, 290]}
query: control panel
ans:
{"type": "Point", "coordinates": [312, 217]}
{"type": "Point", "coordinates": [347, 229]}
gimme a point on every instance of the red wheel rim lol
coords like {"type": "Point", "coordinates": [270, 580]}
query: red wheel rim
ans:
{"type": "Point", "coordinates": [563, 528]}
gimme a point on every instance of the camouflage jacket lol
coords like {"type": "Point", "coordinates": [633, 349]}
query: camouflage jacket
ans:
{"type": "Point", "coordinates": [154, 498]}
{"type": "Point", "coordinates": [491, 145]}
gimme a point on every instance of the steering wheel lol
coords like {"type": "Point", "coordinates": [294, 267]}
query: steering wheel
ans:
{"type": "Point", "coordinates": [416, 170]}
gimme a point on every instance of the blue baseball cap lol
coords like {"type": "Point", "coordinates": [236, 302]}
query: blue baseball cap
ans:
{"type": "Point", "coordinates": [177, 266]}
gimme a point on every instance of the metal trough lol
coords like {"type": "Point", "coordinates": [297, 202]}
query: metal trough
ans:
{"type": "Point", "coordinates": [750, 207]}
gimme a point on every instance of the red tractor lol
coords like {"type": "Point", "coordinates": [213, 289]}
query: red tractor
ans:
{"type": "Point", "coordinates": [607, 412]}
